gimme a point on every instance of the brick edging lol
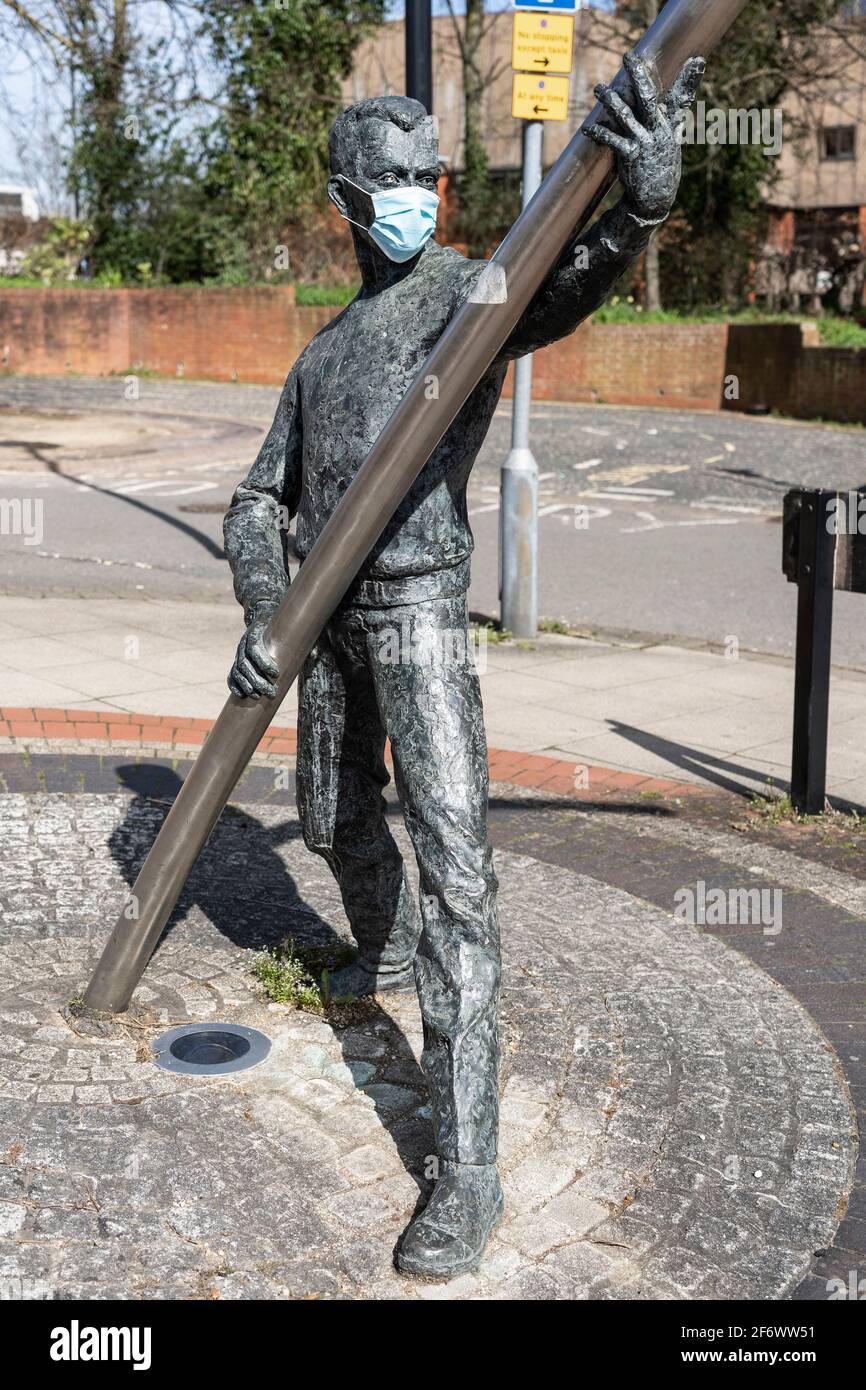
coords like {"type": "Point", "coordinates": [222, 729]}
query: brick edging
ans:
{"type": "Point", "coordinates": [562, 778]}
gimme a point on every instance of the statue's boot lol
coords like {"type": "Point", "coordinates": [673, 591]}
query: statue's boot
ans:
{"type": "Point", "coordinates": [450, 1235]}
{"type": "Point", "coordinates": [356, 979]}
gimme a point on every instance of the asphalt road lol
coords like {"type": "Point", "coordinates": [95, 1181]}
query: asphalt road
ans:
{"type": "Point", "coordinates": [652, 522]}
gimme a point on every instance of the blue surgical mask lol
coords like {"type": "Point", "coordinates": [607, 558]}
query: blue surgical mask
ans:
{"type": "Point", "coordinates": [405, 220]}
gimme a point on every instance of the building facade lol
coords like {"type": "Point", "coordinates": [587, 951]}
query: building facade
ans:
{"type": "Point", "coordinates": [814, 256]}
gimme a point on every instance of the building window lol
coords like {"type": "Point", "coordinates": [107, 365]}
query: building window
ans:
{"type": "Point", "coordinates": [838, 142]}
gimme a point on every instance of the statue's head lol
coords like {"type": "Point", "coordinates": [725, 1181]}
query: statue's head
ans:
{"type": "Point", "coordinates": [384, 170]}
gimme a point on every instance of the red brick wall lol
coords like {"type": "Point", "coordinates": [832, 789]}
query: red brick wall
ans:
{"type": "Point", "coordinates": [56, 331]}
{"type": "Point", "coordinates": [226, 335]}
{"type": "Point", "coordinates": [680, 365]}
{"type": "Point", "coordinates": [256, 334]}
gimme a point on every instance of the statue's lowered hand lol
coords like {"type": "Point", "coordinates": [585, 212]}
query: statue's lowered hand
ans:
{"type": "Point", "coordinates": [255, 671]}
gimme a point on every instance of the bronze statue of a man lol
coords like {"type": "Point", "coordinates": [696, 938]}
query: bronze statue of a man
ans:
{"type": "Point", "coordinates": [387, 665]}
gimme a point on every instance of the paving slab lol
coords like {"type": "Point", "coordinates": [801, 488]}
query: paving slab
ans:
{"type": "Point", "coordinates": [675, 1123]}
{"type": "Point", "coordinates": [659, 710]}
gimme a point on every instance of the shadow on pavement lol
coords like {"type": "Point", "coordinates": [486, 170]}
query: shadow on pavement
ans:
{"type": "Point", "coordinates": [35, 448]}
{"type": "Point", "coordinates": [713, 769]}
{"type": "Point", "coordinates": [243, 887]}
{"type": "Point", "coordinates": [695, 761]}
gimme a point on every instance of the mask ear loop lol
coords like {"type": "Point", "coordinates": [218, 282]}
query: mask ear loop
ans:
{"type": "Point", "coordinates": [352, 184]}
{"type": "Point", "coordinates": [344, 215]}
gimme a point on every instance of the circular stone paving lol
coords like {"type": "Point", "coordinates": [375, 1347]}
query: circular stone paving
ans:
{"type": "Point", "coordinates": [673, 1123]}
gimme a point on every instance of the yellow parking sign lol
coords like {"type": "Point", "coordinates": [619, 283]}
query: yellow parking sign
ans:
{"type": "Point", "coordinates": [542, 43]}
{"type": "Point", "coordinates": [539, 98]}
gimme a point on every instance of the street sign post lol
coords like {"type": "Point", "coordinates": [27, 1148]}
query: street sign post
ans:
{"type": "Point", "coordinates": [823, 549]}
{"type": "Point", "coordinates": [547, 5]}
{"type": "Point", "coordinates": [542, 43]}
{"type": "Point", "coordinates": [539, 98]}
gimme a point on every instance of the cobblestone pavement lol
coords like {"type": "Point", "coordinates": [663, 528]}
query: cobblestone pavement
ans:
{"type": "Point", "coordinates": [675, 1123]}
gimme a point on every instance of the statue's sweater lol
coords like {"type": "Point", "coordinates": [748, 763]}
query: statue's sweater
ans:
{"type": "Point", "coordinates": [346, 384]}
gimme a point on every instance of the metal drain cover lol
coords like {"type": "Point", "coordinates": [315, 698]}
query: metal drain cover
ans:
{"type": "Point", "coordinates": [211, 1049]}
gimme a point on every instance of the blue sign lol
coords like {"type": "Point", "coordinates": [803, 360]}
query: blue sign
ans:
{"type": "Point", "coordinates": [569, 5]}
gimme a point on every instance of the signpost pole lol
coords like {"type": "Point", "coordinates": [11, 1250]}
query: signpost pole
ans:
{"type": "Point", "coordinates": [518, 533]}
{"type": "Point", "coordinates": [541, 59]}
{"type": "Point", "coordinates": [459, 359]}
{"type": "Point", "coordinates": [419, 52]}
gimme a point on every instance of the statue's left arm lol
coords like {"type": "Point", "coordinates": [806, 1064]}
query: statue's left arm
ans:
{"type": "Point", "coordinates": [649, 164]}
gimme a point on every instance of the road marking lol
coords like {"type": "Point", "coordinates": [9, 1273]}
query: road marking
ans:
{"type": "Point", "coordinates": [224, 467]}
{"type": "Point", "coordinates": [611, 496]}
{"type": "Point", "coordinates": [490, 507]}
{"type": "Point", "coordinates": [722, 505]}
{"type": "Point", "coordinates": [186, 491]}
{"type": "Point", "coordinates": [140, 487]}
{"type": "Point", "coordinates": [587, 463]}
{"type": "Point", "coordinates": [93, 560]}
{"type": "Point", "coordinates": [554, 507]}
{"type": "Point", "coordinates": [633, 474]}
{"type": "Point", "coordinates": [100, 479]}
{"type": "Point", "coordinates": [656, 525]}
{"type": "Point", "coordinates": [640, 492]}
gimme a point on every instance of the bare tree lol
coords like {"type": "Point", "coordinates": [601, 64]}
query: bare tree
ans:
{"type": "Point", "coordinates": [475, 190]}
{"type": "Point", "coordinates": [102, 65]}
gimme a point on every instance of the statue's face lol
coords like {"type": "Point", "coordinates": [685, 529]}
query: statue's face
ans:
{"type": "Point", "coordinates": [385, 157]}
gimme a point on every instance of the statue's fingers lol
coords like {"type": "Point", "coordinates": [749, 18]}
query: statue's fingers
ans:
{"type": "Point", "coordinates": [259, 685]}
{"type": "Point", "coordinates": [602, 136]}
{"type": "Point", "coordinates": [258, 654]}
{"type": "Point", "coordinates": [238, 686]}
{"type": "Point", "coordinates": [645, 92]}
{"type": "Point", "coordinates": [685, 86]}
{"type": "Point", "coordinates": [623, 114]}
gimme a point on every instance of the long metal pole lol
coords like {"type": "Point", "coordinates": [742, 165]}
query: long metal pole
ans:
{"type": "Point", "coordinates": [460, 358]}
{"type": "Point", "coordinates": [419, 52]}
{"type": "Point", "coordinates": [518, 489]}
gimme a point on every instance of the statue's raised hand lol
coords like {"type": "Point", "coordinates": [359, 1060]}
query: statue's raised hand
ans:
{"type": "Point", "coordinates": [255, 671]}
{"type": "Point", "coordinates": [646, 140]}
